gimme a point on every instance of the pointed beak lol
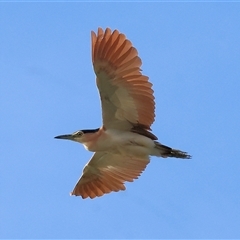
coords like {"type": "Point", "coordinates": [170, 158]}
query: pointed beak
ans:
{"type": "Point", "coordinates": [66, 136]}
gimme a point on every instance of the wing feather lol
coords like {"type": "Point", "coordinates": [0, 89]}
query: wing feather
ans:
{"type": "Point", "coordinates": [101, 187]}
{"type": "Point", "coordinates": [129, 64]}
{"type": "Point", "coordinates": [126, 95]}
{"type": "Point", "coordinates": [107, 172]}
{"type": "Point", "coordinates": [118, 48]}
{"type": "Point", "coordinates": [115, 42]}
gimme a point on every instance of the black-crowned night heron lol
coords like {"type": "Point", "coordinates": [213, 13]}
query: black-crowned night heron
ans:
{"type": "Point", "coordinates": [123, 145]}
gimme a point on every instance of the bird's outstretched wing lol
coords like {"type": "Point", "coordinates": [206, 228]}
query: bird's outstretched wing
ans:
{"type": "Point", "coordinates": [107, 172]}
{"type": "Point", "coordinates": [126, 95]}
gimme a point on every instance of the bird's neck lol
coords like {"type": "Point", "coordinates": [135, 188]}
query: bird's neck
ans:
{"type": "Point", "coordinates": [91, 140]}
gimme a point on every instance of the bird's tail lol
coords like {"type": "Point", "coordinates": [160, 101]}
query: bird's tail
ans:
{"type": "Point", "coordinates": [166, 151]}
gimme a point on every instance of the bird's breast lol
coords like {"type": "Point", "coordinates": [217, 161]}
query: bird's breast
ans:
{"type": "Point", "coordinates": [121, 142]}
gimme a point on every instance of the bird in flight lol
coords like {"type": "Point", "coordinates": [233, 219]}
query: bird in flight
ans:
{"type": "Point", "coordinates": [123, 145]}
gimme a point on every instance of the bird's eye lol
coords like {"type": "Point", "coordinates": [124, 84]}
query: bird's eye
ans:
{"type": "Point", "coordinates": [78, 133]}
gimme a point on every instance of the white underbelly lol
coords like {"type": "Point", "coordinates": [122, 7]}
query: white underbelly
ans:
{"type": "Point", "coordinates": [125, 143]}
{"type": "Point", "coordinates": [134, 150]}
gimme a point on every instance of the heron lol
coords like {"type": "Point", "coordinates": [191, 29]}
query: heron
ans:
{"type": "Point", "coordinates": [123, 145]}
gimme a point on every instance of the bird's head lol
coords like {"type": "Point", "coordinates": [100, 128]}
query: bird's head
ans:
{"type": "Point", "coordinates": [80, 136]}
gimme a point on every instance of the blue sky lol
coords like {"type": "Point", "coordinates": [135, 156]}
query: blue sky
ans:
{"type": "Point", "coordinates": [191, 53]}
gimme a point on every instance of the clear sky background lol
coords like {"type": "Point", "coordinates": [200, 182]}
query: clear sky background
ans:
{"type": "Point", "coordinates": [190, 51]}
